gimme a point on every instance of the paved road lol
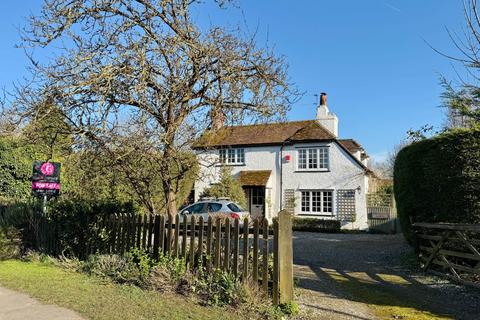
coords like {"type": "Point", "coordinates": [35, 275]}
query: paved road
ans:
{"type": "Point", "coordinates": [330, 265]}
{"type": "Point", "coordinates": [14, 305]}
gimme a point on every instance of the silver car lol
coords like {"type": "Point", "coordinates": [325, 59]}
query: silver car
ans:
{"type": "Point", "coordinates": [214, 208]}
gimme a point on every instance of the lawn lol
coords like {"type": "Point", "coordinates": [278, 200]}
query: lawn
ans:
{"type": "Point", "coordinates": [98, 299]}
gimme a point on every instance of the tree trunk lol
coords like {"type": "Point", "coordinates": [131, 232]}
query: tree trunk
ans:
{"type": "Point", "coordinates": [171, 203]}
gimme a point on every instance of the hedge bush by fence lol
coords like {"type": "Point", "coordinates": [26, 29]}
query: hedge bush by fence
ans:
{"type": "Point", "coordinates": [78, 220]}
{"type": "Point", "coordinates": [315, 225]}
{"type": "Point", "coordinates": [438, 180]}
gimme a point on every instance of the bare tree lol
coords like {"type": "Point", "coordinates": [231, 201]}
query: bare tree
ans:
{"type": "Point", "coordinates": [384, 169]}
{"type": "Point", "coordinates": [463, 99]}
{"type": "Point", "coordinates": [143, 68]}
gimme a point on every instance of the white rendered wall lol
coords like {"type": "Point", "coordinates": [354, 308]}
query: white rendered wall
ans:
{"type": "Point", "coordinates": [344, 173]}
{"type": "Point", "coordinates": [256, 158]}
{"type": "Point", "coordinates": [327, 119]}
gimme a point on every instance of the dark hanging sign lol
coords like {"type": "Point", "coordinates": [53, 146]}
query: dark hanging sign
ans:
{"type": "Point", "coordinates": [46, 179]}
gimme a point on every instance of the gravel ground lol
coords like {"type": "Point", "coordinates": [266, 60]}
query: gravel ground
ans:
{"type": "Point", "coordinates": [378, 261]}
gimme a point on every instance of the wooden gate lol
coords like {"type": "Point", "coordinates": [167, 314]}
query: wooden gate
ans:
{"type": "Point", "coordinates": [382, 213]}
{"type": "Point", "coordinates": [451, 248]}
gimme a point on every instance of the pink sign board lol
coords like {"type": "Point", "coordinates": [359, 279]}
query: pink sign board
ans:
{"type": "Point", "coordinates": [46, 179]}
{"type": "Point", "coordinates": [46, 185]}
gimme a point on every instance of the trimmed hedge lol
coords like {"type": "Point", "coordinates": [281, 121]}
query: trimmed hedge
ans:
{"type": "Point", "coordinates": [438, 180]}
{"type": "Point", "coordinates": [315, 225]}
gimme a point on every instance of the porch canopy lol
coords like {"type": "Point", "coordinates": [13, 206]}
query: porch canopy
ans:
{"type": "Point", "coordinates": [254, 178]}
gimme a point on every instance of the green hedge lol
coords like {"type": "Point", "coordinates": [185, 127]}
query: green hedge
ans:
{"type": "Point", "coordinates": [438, 180]}
{"type": "Point", "coordinates": [76, 221]}
{"type": "Point", "coordinates": [315, 225]}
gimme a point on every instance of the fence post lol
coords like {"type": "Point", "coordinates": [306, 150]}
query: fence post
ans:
{"type": "Point", "coordinates": [284, 257]}
{"type": "Point", "coordinates": [255, 251]}
{"type": "Point", "coordinates": [276, 277]}
{"type": "Point", "coordinates": [177, 236]}
{"type": "Point", "coordinates": [265, 255]}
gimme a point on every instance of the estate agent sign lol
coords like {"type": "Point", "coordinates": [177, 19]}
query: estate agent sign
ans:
{"type": "Point", "coordinates": [46, 179]}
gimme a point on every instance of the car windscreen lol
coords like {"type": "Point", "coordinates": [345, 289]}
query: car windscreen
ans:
{"type": "Point", "coordinates": [232, 206]}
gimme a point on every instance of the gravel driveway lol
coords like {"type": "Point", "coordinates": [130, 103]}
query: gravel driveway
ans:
{"type": "Point", "coordinates": [353, 276]}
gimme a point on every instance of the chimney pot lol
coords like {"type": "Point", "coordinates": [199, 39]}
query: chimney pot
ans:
{"type": "Point", "coordinates": [323, 99]}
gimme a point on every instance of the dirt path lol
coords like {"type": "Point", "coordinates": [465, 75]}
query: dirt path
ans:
{"type": "Point", "coordinates": [366, 276]}
{"type": "Point", "coordinates": [14, 305]}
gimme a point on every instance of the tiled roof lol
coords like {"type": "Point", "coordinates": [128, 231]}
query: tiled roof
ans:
{"type": "Point", "coordinates": [350, 144]}
{"type": "Point", "coordinates": [353, 146]}
{"type": "Point", "coordinates": [254, 177]}
{"type": "Point", "coordinates": [265, 134]}
{"type": "Point", "coordinates": [274, 134]}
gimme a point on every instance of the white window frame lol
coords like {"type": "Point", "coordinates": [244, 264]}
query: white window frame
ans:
{"type": "Point", "coordinates": [321, 194]}
{"type": "Point", "coordinates": [316, 158]}
{"type": "Point", "coordinates": [234, 156]}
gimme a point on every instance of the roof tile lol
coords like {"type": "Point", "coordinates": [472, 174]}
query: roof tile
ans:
{"type": "Point", "coordinates": [254, 177]}
{"type": "Point", "coordinates": [264, 134]}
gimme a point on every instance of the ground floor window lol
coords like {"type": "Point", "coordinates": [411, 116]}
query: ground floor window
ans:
{"type": "Point", "coordinates": [317, 202]}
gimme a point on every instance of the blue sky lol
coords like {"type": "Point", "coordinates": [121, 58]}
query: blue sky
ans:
{"type": "Point", "coordinates": [369, 56]}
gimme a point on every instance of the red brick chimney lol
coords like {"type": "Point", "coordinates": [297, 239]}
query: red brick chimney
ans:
{"type": "Point", "coordinates": [323, 99]}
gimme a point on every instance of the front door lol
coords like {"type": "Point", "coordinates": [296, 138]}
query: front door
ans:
{"type": "Point", "coordinates": [257, 202]}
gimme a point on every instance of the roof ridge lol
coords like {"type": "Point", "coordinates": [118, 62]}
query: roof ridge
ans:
{"type": "Point", "coordinates": [268, 123]}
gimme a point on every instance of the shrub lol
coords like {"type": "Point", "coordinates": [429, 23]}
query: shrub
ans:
{"type": "Point", "coordinates": [9, 243]}
{"type": "Point", "coordinates": [174, 266]}
{"type": "Point", "coordinates": [227, 187]}
{"type": "Point", "coordinates": [134, 268]}
{"type": "Point", "coordinates": [19, 216]}
{"type": "Point", "coordinates": [438, 180]}
{"type": "Point", "coordinates": [219, 288]}
{"type": "Point", "coordinates": [76, 222]}
{"type": "Point", "coordinates": [141, 260]}
{"type": "Point", "coordinates": [256, 304]}
{"type": "Point", "coordinates": [315, 225]}
{"type": "Point", "coordinates": [105, 266]}
{"type": "Point", "coordinates": [290, 308]}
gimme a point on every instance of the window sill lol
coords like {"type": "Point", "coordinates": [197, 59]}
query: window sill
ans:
{"type": "Point", "coordinates": [230, 165]}
{"type": "Point", "coordinates": [323, 215]}
{"type": "Point", "coordinates": [312, 170]}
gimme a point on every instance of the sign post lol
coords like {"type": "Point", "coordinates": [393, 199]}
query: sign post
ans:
{"type": "Point", "coordinates": [46, 181]}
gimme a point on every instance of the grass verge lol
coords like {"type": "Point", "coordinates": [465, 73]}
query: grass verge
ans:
{"type": "Point", "coordinates": [99, 299]}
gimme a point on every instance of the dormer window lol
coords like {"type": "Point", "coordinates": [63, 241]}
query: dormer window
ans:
{"type": "Point", "coordinates": [232, 156]}
{"type": "Point", "coordinates": [313, 159]}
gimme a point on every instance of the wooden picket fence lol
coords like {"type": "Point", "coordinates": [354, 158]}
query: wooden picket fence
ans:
{"type": "Point", "coordinates": [450, 248]}
{"type": "Point", "coordinates": [243, 249]}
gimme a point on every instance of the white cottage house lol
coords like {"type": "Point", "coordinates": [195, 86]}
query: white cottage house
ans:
{"type": "Point", "coordinates": [300, 166]}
